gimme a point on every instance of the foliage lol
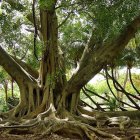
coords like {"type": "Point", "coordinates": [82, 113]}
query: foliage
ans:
{"type": "Point", "coordinates": [46, 4]}
{"type": "Point", "coordinates": [3, 75]}
{"type": "Point", "coordinates": [105, 16]}
{"type": "Point", "coordinates": [90, 87]}
{"type": "Point", "coordinates": [84, 16]}
{"type": "Point", "coordinates": [14, 37]}
{"type": "Point", "coordinates": [3, 105]}
{"type": "Point", "coordinates": [112, 104]}
{"type": "Point", "coordinates": [101, 88]}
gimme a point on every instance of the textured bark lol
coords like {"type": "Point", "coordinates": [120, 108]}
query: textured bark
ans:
{"type": "Point", "coordinates": [27, 84]}
{"type": "Point", "coordinates": [37, 97]}
{"type": "Point", "coordinates": [52, 76]}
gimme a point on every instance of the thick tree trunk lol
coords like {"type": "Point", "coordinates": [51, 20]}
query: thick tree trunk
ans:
{"type": "Point", "coordinates": [36, 97]}
{"type": "Point", "coordinates": [52, 74]}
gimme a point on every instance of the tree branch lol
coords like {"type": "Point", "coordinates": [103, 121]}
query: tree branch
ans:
{"type": "Point", "coordinates": [101, 56]}
{"type": "Point", "coordinates": [131, 81]}
{"type": "Point", "coordinates": [97, 105]}
{"type": "Point", "coordinates": [107, 81]}
{"type": "Point", "coordinates": [26, 67]}
{"type": "Point", "coordinates": [64, 21]}
{"type": "Point", "coordinates": [13, 68]}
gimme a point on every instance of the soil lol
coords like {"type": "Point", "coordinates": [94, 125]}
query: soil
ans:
{"type": "Point", "coordinates": [128, 134]}
{"type": "Point", "coordinates": [32, 137]}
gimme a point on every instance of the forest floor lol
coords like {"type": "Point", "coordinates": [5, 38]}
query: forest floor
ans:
{"type": "Point", "coordinates": [128, 134]}
{"type": "Point", "coordinates": [32, 137]}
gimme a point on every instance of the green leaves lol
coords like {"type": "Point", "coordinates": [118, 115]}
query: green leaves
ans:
{"type": "Point", "coordinates": [47, 4]}
{"type": "Point", "coordinates": [3, 75]}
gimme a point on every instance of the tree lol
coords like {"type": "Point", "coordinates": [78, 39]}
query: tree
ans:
{"type": "Point", "coordinates": [50, 97]}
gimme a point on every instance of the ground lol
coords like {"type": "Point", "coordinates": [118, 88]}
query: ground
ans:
{"type": "Point", "coordinates": [132, 133]}
{"type": "Point", "coordinates": [32, 137]}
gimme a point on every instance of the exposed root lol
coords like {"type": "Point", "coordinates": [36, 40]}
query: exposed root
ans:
{"type": "Point", "coordinates": [74, 129]}
{"type": "Point", "coordinates": [19, 111]}
{"type": "Point", "coordinates": [5, 115]}
{"type": "Point", "coordinates": [29, 123]}
{"type": "Point", "coordinates": [86, 119]}
{"type": "Point", "coordinates": [66, 127]}
{"type": "Point", "coordinates": [8, 123]}
{"type": "Point", "coordinates": [65, 124]}
{"type": "Point", "coordinates": [122, 122]}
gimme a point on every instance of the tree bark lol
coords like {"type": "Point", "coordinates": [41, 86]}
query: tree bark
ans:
{"type": "Point", "coordinates": [13, 68]}
{"type": "Point", "coordinates": [29, 89]}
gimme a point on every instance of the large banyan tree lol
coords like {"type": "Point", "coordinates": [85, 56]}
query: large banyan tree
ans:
{"type": "Point", "coordinates": [47, 98]}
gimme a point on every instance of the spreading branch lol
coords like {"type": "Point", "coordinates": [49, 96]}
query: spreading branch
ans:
{"type": "Point", "coordinates": [34, 73]}
{"type": "Point", "coordinates": [13, 68]}
{"type": "Point", "coordinates": [64, 21]}
{"type": "Point", "coordinates": [101, 56]}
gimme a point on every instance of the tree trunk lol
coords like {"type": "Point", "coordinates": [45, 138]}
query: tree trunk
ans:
{"type": "Point", "coordinates": [116, 76]}
{"type": "Point", "coordinates": [124, 85]}
{"type": "Point", "coordinates": [12, 88]}
{"type": "Point", "coordinates": [37, 96]}
{"type": "Point", "coordinates": [52, 73]}
{"type": "Point", "coordinates": [6, 90]}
